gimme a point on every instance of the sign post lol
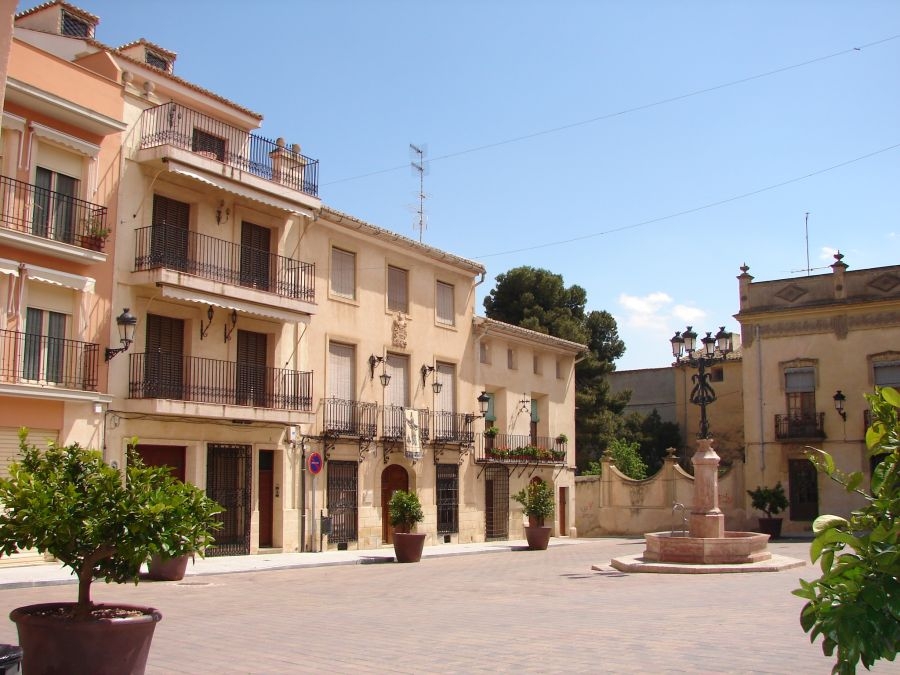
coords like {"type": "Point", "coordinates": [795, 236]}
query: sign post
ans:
{"type": "Point", "coordinates": [314, 463]}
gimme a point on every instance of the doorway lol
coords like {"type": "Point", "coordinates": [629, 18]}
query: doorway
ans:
{"type": "Point", "coordinates": [266, 497]}
{"type": "Point", "coordinates": [803, 485]}
{"type": "Point", "coordinates": [393, 478]}
{"type": "Point", "coordinates": [496, 503]}
{"type": "Point", "coordinates": [229, 470]}
{"type": "Point", "coordinates": [563, 508]}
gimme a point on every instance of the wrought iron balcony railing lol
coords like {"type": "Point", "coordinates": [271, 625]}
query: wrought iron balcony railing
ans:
{"type": "Point", "coordinates": [521, 449]}
{"type": "Point", "coordinates": [393, 423]}
{"type": "Point", "coordinates": [27, 358]}
{"type": "Point", "coordinates": [450, 427]}
{"type": "Point", "coordinates": [52, 215]}
{"type": "Point", "coordinates": [175, 248]}
{"type": "Point", "coordinates": [190, 378]}
{"type": "Point", "coordinates": [800, 426]}
{"type": "Point", "coordinates": [349, 418]}
{"type": "Point", "coordinates": [176, 125]}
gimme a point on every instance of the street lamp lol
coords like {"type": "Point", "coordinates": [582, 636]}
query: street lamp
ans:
{"type": "Point", "coordinates": [126, 323]}
{"type": "Point", "coordinates": [714, 350]}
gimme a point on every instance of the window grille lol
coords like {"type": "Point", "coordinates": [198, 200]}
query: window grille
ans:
{"type": "Point", "coordinates": [447, 498]}
{"type": "Point", "coordinates": [72, 26]}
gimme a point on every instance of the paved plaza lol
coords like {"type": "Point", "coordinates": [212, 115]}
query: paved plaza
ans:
{"type": "Point", "coordinates": [497, 609]}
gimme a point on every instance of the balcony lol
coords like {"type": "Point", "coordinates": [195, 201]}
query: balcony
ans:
{"type": "Point", "coordinates": [393, 423]}
{"type": "Point", "coordinates": [188, 378]}
{"type": "Point", "coordinates": [30, 359]}
{"type": "Point", "coordinates": [355, 419]}
{"type": "Point", "coordinates": [521, 449]}
{"type": "Point", "coordinates": [453, 428]}
{"type": "Point", "coordinates": [178, 126]}
{"type": "Point", "coordinates": [175, 248]}
{"type": "Point", "coordinates": [800, 426]}
{"type": "Point", "coordinates": [57, 218]}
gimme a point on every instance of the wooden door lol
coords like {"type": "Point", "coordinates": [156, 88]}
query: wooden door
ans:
{"type": "Point", "coordinates": [803, 486]}
{"type": "Point", "coordinates": [393, 478]}
{"type": "Point", "coordinates": [266, 496]}
{"type": "Point", "coordinates": [563, 507]}
{"type": "Point", "coordinates": [255, 246]}
{"type": "Point", "coordinates": [171, 456]}
{"type": "Point", "coordinates": [251, 369]}
{"type": "Point", "coordinates": [164, 366]}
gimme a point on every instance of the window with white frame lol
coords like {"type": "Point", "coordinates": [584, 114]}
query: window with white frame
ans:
{"type": "Point", "coordinates": [343, 274]}
{"type": "Point", "coordinates": [444, 304]}
{"type": "Point", "coordinates": [398, 289]}
{"type": "Point", "coordinates": [800, 388]}
{"type": "Point", "coordinates": [44, 346]}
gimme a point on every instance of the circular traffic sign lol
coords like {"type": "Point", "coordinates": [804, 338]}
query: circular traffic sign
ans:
{"type": "Point", "coordinates": [314, 463]}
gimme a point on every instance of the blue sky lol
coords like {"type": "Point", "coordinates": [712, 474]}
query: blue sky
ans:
{"type": "Point", "coordinates": [643, 150]}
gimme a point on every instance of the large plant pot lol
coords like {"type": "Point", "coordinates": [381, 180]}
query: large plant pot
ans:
{"type": "Point", "coordinates": [771, 527]}
{"type": "Point", "coordinates": [168, 569]}
{"type": "Point", "coordinates": [538, 537]}
{"type": "Point", "coordinates": [408, 547]}
{"type": "Point", "coordinates": [54, 643]}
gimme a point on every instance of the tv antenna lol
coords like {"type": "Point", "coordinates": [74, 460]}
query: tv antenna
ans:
{"type": "Point", "coordinates": [418, 153]}
{"type": "Point", "coordinates": [807, 269]}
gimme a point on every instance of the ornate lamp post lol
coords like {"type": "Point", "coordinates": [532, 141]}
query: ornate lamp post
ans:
{"type": "Point", "coordinates": [714, 350]}
{"type": "Point", "coordinates": [706, 519]}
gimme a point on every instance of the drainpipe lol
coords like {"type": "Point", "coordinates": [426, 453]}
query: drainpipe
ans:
{"type": "Point", "coordinates": [759, 384]}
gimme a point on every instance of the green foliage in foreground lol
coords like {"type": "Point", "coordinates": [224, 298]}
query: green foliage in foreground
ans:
{"type": "Point", "coordinates": [68, 502]}
{"type": "Point", "coordinates": [405, 510]}
{"type": "Point", "coordinates": [855, 605]}
{"type": "Point", "coordinates": [625, 456]}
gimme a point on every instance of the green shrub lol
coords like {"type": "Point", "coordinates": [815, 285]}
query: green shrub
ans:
{"type": "Point", "coordinates": [405, 510]}
{"type": "Point", "coordinates": [537, 501]}
{"type": "Point", "coordinates": [770, 501]}
{"type": "Point", "coordinates": [855, 605]}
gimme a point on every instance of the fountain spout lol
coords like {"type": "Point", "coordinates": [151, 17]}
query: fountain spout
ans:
{"type": "Point", "coordinates": [675, 507]}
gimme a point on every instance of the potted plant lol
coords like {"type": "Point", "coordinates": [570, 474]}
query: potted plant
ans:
{"type": "Point", "coordinates": [537, 501]}
{"type": "Point", "coordinates": [562, 439]}
{"type": "Point", "coordinates": [66, 501]}
{"type": "Point", "coordinates": [489, 435]}
{"type": "Point", "coordinates": [405, 511]}
{"type": "Point", "coordinates": [770, 501]}
{"type": "Point", "coordinates": [95, 233]}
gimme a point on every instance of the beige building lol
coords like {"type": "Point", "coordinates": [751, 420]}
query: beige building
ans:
{"type": "Point", "coordinates": [294, 361]}
{"type": "Point", "coordinates": [807, 340]}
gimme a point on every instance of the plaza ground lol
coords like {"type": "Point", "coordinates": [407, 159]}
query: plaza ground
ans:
{"type": "Point", "coordinates": [466, 609]}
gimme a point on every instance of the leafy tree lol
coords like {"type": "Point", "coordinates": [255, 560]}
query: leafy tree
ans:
{"type": "Point", "coordinates": [626, 458]}
{"type": "Point", "coordinates": [539, 300]}
{"type": "Point", "coordinates": [855, 604]}
{"type": "Point", "coordinates": [653, 437]}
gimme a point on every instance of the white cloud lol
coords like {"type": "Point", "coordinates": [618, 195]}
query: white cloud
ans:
{"type": "Point", "coordinates": [827, 254]}
{"type": "Point", "coordinates": [688, 314]}
{"type": "Point", "coordinates": [649, 304]}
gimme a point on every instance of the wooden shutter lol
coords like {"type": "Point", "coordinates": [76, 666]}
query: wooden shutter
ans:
{"type": "Point", "coordinates": [164, 367]}
{"type": "Point", "coordinates": [255, 247]}
{"type": "Point", "coordinates": [251, 368]}
{"type": "Point", "coordinates": [341, 358]}
{"type": "Point", "coordinates": [444, 305]}
{"type": "Point", "coordinates": [343, 273]}
{"type": "Point", "coordinates": [398, 295]}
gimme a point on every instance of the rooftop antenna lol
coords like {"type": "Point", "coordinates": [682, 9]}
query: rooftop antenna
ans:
{"type": "Point", "coordinates": [418, 153]}
{"type": "Point", "coordinates": [806, 230]}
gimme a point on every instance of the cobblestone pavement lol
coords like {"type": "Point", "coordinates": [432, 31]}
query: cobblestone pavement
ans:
{"type": "Point", "coordinates": [515, 611]}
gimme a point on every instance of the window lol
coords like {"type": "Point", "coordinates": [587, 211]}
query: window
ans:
{"type": "Point", "coordinates": [536, 364]}
{"type": "Point", "coordinates": [208, 145]}
{"type": "Point", "coordinates": [157, 61]}
{"type": "Point", "coordinates": [484, 352]}
{"type": "Point", "coordinates": [887, 374]}
{"type": "Point", "coordinates": [717, 375]}
{"type": "Point", "coordinates": [343, 274]}
{"type": "Point", "coordinates": [559, 369]}
{"type": "Point", "coordinates": [54, 205]}
{"type": "Point", "coordinates": [533, 426]}
{"type": "Point", "coordinates": [340, 370]}
{"type": "Point", "coordinates": [446, 374]}
{"type": "Point", "coordinates": [490, 415]}
{"type": "Point", "coordinates": [169, 234]}
{"type": "Point", "coordinates": [511, 359]}
{"type": "Point", "coordinates": [45, 334]}
{"type": "Point", "coordinates": [255, 242]}
{"type": "Point", "coordinates": [164, 364]}
{"type": "Point", "coordinates": [251, 382]}
{"type": "Point", "coordinates": [398, 294]}
{"type": "Point", "coordinates": [397, 391]}
{"type": "Point", "coordinates": [447, 480]}
{"type": "Point", "coordinates": [445, 304]}
{"type": "Point", "coordinates": [72, 26]}
{"type": "Point", "coordinates": [800, 387]}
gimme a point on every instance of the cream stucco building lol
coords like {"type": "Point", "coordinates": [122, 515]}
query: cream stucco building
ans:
{"type": "Point", "coordinates": [283, 350]}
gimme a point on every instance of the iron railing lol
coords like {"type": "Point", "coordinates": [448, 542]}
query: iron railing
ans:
{"type": "Point", "coordinates": [27, 358]}
{"type": "Point", "coordinates": [191, 378]}
{"type": "Point", "coordinates": [450, 427]}
{"type": "Point", "coordinates": [177, 125]}
{"type": "Point", "coordinates": [27, 208]}
{"type": "Point", "coordinates": [175, 248]}
{"type": "Point", "coordinates": [349, 418]}
{"type": "Point", "coordinates": [800, 426]}
{"type": "Point", "coordinates": [521, 449]}
{"type": "Point", "coordinates": [393, 422]}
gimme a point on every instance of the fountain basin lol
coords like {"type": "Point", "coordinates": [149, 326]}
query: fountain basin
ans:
{"type": "Point", "coordinates": [733, 548]}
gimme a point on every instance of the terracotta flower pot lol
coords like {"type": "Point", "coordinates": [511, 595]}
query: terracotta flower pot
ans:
{"type": "Point", "coordinates": [408, 547]}
{"type": "Point", "coordinates": [538, 537]}
{"type": "Point", "coordinates": [168, 569]}
{"type": "Point", "coordinates": [104, 644]}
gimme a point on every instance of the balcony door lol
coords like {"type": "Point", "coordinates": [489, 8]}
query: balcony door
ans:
{"type": "Point", "coordinates": [341, 415]}
{"type": "Point", "coordinates": [255, 248]}
{"type": "Point", "coordinates": [44, 356]}
{"type": "Point", "coordinates": [396, 394]}
{"type": "Point", "coordinates": [164, 366]}
{"type": "Point", "coordinates": [446, 426]}
{"type": "Point", "coordinates": [800, 390]}
{"type": "Point", "coordinates": [251, 368]}
{"type": "Point", "coordinates": [54, 205]}
{"type": "Point", "coordinates": [169, 235]}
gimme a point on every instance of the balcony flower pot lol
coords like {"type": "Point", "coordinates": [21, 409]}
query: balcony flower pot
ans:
{"type": "Point", "coordinates": [537, 503]}
{"type": "Point", "coordinates": [66, 501]}
{"type": "Point", "coordinates": [770, 501]}
{"type": "Point", "coordinates": [405, 511]}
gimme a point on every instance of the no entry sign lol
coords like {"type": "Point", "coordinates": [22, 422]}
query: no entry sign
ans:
{"type": "Point", "coordinates": [314, 463]}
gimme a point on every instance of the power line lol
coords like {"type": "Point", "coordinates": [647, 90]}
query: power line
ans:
{"type": "Point", "coordinates": [695, 209]}
{"type": "Point", "coordinates": [626, 111]}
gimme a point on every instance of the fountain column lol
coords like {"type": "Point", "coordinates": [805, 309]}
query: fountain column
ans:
{"type": "Point", "coordinates": [707, 520]}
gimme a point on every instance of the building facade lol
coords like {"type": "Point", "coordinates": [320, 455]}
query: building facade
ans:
{"type": "Point", "coordinates": [807, 341]}
{"type": "Point", "coordinates": [296, 362]}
